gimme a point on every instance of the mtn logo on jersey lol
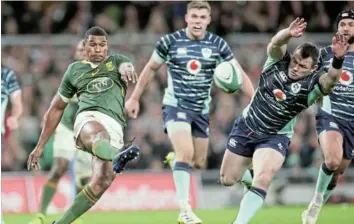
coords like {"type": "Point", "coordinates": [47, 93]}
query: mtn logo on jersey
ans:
{"type": "Point", "coordinates": [194, 66]}
{"type": "Point", "coordinates": [279, 95]}
{"type": "Point", "coordinates": [346, 78]}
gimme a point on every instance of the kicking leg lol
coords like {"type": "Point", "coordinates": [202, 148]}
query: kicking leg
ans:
{"type": "Point", "coordinates": [266, 163]}
{"type": "Point", "coordinates": [103, 176]}
{"type": "Point", "coordinates": [95, 139]}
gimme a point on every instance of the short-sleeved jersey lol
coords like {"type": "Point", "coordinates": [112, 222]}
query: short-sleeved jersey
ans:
{"type": "Point", "coordinates": [340, 103]}
{"type": "Point", "coordinates": [190, 68]}
{"type": "Point", "coordinates": [9, 85]}
{"type": "Point", "coordinates": [98, 89]}
{"type": "Point", "coordinates": [279, 100]}
{"type": "Point", "coordinates": [69, 115]}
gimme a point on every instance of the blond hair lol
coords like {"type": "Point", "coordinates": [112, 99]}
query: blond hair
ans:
{"type": "Point", "coordinates": [199, 4]}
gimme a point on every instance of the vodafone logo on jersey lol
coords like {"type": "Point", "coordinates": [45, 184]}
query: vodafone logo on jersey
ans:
{"type": "Point", "coordinates": [194, 66]}
{"type": "Point", "coordinates": [279, 95]}
{"type": "Point", "coordinates": [346, 78]}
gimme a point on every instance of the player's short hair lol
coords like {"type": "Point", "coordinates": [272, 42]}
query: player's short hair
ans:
{"type": "Point", "coordinates": [198, 4]}
{"type": "Point", "coordinates": [309, 50]}
{"type": "Point", "coordinates": [95, 31]}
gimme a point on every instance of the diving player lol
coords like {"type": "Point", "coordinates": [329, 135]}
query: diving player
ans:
{"type": "Point", "coordinates": [288, 85]}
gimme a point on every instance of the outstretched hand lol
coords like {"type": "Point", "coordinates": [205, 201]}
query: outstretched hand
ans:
{"type": "Point", "coordinates": [297, 27]}
{"type": "Point", "coordinates": [340, 45]}
{"type": "Point", "coordinates": [33, 159]}
{"type": "Point", "coordinates": [128, 72]}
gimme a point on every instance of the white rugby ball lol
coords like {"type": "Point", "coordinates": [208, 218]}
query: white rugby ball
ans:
{"type": "Point", "coordinates": [228, 77]}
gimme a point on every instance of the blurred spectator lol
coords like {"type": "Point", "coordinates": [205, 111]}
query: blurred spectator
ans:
{"type": "Point", "coordinates": [163, 17]}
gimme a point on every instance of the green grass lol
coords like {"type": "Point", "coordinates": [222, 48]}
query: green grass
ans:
{"type": "Point", "coordinates": [337, 214]}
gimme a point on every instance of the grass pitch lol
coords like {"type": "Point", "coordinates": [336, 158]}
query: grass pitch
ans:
{"type": "Point", "coordinates": [337, 214]}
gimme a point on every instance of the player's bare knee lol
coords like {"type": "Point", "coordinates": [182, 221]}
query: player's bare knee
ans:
{"type": "Point", "coordinates": [199, 163]}
{"type": "Point", "coordinates": [91, 133]}
{"type": "Point", "coordinates": [333, 162]}
{"type": "Point", "coordinates": [226, 180]}
{"type": "Point", "coordinates": [262, 180]}
{"type": "Point", "coordinates": [185, 156]}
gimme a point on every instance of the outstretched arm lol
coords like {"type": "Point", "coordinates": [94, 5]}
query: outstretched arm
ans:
{"type": "Point", "coordinates": [146, 75]}
{"type": "Point", "coordinates": [157, 59]}
{"type": "Point", "coordinates": [277, 47]}
{"type": "Point", "coordinates": [132, 104]}
{"type": "Point", "coordinates": [51, 119]}
{"type": "Point", "coordinates": [50, 123]}
{"type": "Point", "coordinates": [340, 48]}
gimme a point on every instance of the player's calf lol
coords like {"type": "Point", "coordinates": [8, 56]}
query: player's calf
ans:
{"type": "Point", "coordinates": [81, 183]}
{"type": "Point", "coordinates": [333, 162]}
{"type": "Point", "coordinates": [200, 145]}
{"type": "Point", "coordinates": [102, 181]}
{"type": "Point", "coordinates": [59, 168]}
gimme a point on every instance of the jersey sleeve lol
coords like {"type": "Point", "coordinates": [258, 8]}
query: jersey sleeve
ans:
{"type": "Point", "coordinates": [162, 49]}
{"type": "Point", "coordinates": [225, 50]}
{"type": "Point", "coordinates": [121, 59]}
{"type": "Point", "coordinates": [66, 88]}
{"type": "Point", "coordinates": [12, 83]}
{"type": "Point", "coordinates": [272, 60]}
{"type": "Point", "coordinates": [316, 89]}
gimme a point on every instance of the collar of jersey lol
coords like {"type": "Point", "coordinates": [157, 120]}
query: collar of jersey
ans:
{"type": "Point", "coordinates": [93, 65]}
{"type": "Point", "coordinates": [186, 33]}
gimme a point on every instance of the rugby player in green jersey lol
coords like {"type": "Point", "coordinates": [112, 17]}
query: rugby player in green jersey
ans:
{"type": "Point", "coordinates": [100, 83]}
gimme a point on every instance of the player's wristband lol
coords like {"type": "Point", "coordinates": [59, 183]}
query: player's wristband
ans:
{"type": "Point", "coordinates": [337, 62]}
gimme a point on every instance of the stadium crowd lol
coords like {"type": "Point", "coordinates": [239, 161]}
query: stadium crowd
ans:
{"type": "Point", "coordinates": [51, 17]}
{"type": "Point", "coordinates": [39, 68]}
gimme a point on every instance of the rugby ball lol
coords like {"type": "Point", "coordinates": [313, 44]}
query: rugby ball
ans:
{"type": "Point", "coordinates": [228, 77]}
